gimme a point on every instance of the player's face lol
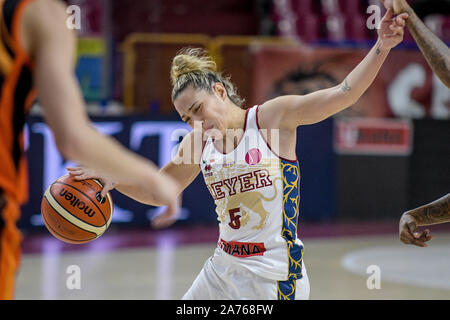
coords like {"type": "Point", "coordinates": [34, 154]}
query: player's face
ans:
{"type": "Point", "coordinates": [201, 107]}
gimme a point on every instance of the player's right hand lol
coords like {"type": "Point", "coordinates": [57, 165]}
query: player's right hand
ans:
{"type": "Point", "coordinates": [409, 234]}
{"type": "Point", "coordinates": [167, 192]}
{"type": "Point", "coordinates": [83, 173]}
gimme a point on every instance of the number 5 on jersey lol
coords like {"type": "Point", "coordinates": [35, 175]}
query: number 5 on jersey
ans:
{"type": "Point", "coordinates": [235, 221]}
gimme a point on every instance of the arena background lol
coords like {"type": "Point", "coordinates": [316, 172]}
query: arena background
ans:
{"type": "Point", "coordinates": [360, 169]}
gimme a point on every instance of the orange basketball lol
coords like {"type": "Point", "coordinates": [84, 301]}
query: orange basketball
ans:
{"type": "Point", "coordinates": [74, 212]}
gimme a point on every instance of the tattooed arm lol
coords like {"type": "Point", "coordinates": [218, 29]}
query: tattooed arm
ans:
{"type": "Point", "coordinates": [435, 51]}
{"type": "Point", "coordinates": [433, 213]}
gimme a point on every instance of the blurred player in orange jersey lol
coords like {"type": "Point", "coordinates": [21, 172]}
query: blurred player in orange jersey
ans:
{"type": "Point", "coordinates": [37, 56]}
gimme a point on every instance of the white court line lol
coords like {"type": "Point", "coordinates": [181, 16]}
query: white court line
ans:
{"type": "Point", "coordinates": [424, 267]}
{"type": "Point", "coordinates": [165, 252]}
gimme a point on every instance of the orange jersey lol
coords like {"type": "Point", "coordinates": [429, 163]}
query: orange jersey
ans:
{"type": "Point", "coordinates": [16, 98]}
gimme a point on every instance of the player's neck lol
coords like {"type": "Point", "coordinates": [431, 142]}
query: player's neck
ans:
{"type": "Point", "coordinates": [235, 128]}
{"type": "Point", "coordinates": [235, 117]}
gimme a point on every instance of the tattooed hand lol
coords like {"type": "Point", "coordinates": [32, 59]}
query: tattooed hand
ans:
{"type": "Point", "coordinates": [433, 213]}
{"type": "Point", "coordinates": [409, 234]}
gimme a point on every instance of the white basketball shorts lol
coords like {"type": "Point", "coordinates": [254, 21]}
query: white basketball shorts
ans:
{"type": "Point", "coordinates": [220, 279]}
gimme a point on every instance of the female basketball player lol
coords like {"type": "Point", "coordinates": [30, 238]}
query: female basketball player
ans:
{"type": "Point", "coordinates": [248, 160]}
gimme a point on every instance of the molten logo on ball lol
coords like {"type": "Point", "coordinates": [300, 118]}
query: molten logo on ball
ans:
{"type": "Point", "coordinates": [72, 211]}
{"type": "Point", "coordinates": [253, 157]}
{"type": "Point", "coordinates": [76, 203]}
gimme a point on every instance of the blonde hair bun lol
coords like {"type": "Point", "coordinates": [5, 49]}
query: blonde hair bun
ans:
{"type": "Point", "coordinates": [190, 60]}
{"type": "Point", "coordinates": [194, 67]}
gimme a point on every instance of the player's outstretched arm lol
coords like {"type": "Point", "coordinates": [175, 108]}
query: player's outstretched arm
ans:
{"type": "Point", "coordinates": [184, 168]}
{"type": "Point", "coordinates": [435, 51]}
{"type": "Point", "coordinates": [433, 213]}
{"type": "Point", "coordinates": [292, 111]}
{"type": "Point", "coordinates": [51, 46]}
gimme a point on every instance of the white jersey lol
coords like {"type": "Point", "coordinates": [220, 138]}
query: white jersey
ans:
{"type": "Point", "coordinates": [257, 203]}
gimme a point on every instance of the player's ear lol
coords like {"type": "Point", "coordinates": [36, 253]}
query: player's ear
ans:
{"type": "Point", "coordinates": [220, 91]}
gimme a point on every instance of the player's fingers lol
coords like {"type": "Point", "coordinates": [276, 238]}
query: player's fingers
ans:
{"type": "Point", "coordinates": [426, 236]}
{"type": "Point", "coordinates": [419, 239]}
{"type": "Point", "coordinates": [162, 221]}
{"type": "Point", "coordinates": [422, 234]}
{"type": "Point", "coordinates": [403, 16]}
{"type": "Point", "coordinates": [396, 30]}
{"type": "Point", "coordinates": [83, 176]}
{"type": "Point", "coordinates": [405, 240]}
{"type": "Point", "coordinates": [108, 187]}
{"type": "Point", "coordinates": [406, 237]}
{"type": "Point", "coordinates": [411, 227]}
{"type": "Point", "coordinates": [168, 217]}
{"type": "Point", "coordinates": [75, 174]}
{"type": "Point", "coordinates": [426, 239]}
{"type": "Point", "coordinates": [400, 21]}
{"type": "Point", "coordinates": [75, 168]}
{"type": "Point", "coordinates": [417, 235]}
{"type": "Point", "coordinates": [388, 15]}
{"type": "Point", "coordinates": [399, 31]}
{"type": "Point", "coordinates": [419, 243]}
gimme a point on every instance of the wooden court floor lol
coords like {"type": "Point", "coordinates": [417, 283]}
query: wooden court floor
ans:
{"type": "Point", "coordinates": [339, 267]}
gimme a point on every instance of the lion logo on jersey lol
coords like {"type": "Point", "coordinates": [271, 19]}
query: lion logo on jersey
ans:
{"type": "Point", "coordinates": [251, 201]}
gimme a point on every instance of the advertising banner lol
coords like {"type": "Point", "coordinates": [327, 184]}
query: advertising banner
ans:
{"type": "Point", "coordinates": [404, 88]}
{"type": "Point", "coordinates": [158, 141]}
{"type": "Point", "coordinates": [373, 136]}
